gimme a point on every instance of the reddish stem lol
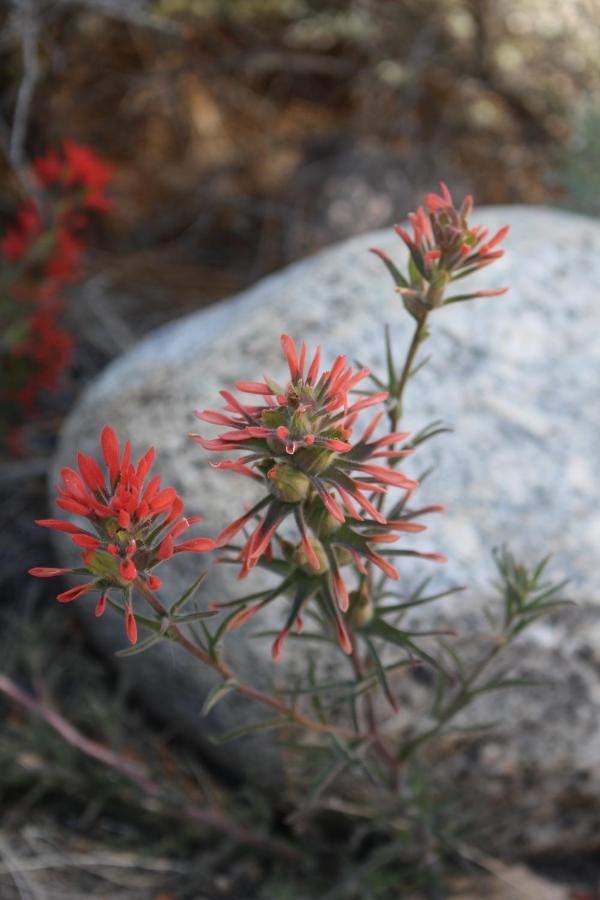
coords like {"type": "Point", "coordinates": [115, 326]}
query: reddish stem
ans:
{"type": "Point", "coordinates": [138, 774]}
{"type": "Point", "coordinates": [226, 673]}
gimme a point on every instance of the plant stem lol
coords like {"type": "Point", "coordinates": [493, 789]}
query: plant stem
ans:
{"type": "Point", "coordinates": [397, 393]}
{"type": "Point", "coordinates": [458, 702]}
{"type": "Point", "coordinates": [373, 726]}
{"type": "Point", "coordinates": [177, 635]}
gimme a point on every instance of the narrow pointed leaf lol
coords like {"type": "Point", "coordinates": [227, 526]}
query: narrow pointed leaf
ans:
{"type": "Point", "coordinates": [267, 725]}
{"type": "Point", "coordinates": [187, 595]}
{"type": "Point", "coordinates": [382, 629]}
{"type": "Point", "coordinates": [217, 693]}
{"type": "Point", "coordinates": [195, 616]}
{"type": "Point", "coordinates": [381, 674]}
{"type": "Point", "coordinates": [140, 647]}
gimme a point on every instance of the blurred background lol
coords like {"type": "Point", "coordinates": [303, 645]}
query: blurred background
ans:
{"type": "Point", "coordinates": [242, 135]}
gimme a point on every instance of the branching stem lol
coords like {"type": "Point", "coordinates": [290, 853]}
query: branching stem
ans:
{"type": "Point", "coordinates": [138, 774]}
{"type": "Point", "coordinates": [177, 635]}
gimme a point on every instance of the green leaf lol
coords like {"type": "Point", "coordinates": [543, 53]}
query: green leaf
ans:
{"type": "Point", "coordinates": [266, 725]}
{"type": "Point", "coordinates": [398, 607]}
{"type": "Point", "coordinates": [396, 274]}
{"type": "Point", "coordinates": [324, 779]}
{"type": "Point", "coordinates": [460, 298]}
{"type": "Point", "coordinates": [217, 693]}
{"type": "Point", "coordinates": [195, 616]}
{"type": "Point", "coordinates": [431, 430]}
{"type": "Point", "coordinates": [454, 656]}
{"type": "Point", "coordinates": [438, 698]}
{"type": "Point", "coordinates": [382, 629]}
{"type": "Point", "coordinates": [139, 648]}
{"type": "Point", "coordinates": [305, 636]}
{"type": "Point", "coordinates": [319, 688]}
{"type": "Point", "coordinates": [188, 594]}
{"type": "Point", "coordinates": [214, 639]}
{"type": "Point", "coordinates": [421, 365]}
{"type": "Point", "coordinates": [539, 570]}
{"type": "Point", "coordinates": [381, 674]}
{"type": "Point", "coordinates": [505, 684]}
{"type": "Point", "coordinates": [389, 358]}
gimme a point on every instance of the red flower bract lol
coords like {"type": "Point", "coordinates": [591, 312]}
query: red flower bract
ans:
{"type": "Point", "coordinates": [299, 442]}
{"type": "Point", "coordinates": [130, 522]}
{"type": "Point", "coordinates": [443, 247]}
{"type": "Point", "coordinates": [76, 166]}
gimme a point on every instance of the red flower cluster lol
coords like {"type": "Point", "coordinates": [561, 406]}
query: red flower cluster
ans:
{"type": "Point", "coordinates": [443, 248]}
{"type": "Point", "coordinates": [76, 168]}
{"type": "Point", "coordinates": [41, 255]}
{"type": "Point", "coordinates": [27, 227]}
{"type": "Point", "coordinates": [298, 442]}
{"type": "Point", "coordinates": [45, 351]}
{"type": "Point", "coordinates": [133, 525]}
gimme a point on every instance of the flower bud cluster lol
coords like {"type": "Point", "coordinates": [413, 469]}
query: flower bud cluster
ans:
{"type": "Point", "coordinates": [298, 443]}
{"type": "Point", "coordinates": [133, 525]}
{"type": "Point", "coordinates": [443, 248]}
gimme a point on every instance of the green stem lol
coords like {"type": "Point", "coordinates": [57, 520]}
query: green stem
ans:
{"type": "Point", "coordinates": [397, 393]}
{"type": "Point", "coordinates": [457, 703]}
{"type": "Point", "coordinates": [373, 727]}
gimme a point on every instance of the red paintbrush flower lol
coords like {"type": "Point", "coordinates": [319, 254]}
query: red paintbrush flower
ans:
{"type": "Point", "coordinates": [76, 166]}
{"type": "Point", "coordinates": [443, 247]}
{"type": "Point", "coordinates": [298, 442]}
{"type": "Point", "coordinates": [132, 524]}
{"type": "Point", "coordinates": [63, 264]}
{"type": "Point", "coordinates": [48, 169]}
{"type": "Point", "coordinates": [16, 241]}
{"type": "Point", "coordinates": [44, 254]}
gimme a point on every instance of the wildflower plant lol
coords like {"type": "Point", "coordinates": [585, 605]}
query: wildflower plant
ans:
{"type": "Point", "coordinates": [299, 443]}
{"type": "Point", "coordinates": [333, 509]}
{"type": "Point", "coordinates": [132, 526]}
{"type": "Point", "coordinates": [40, 254]}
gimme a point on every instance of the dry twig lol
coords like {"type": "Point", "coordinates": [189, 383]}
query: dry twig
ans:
{"type": "Point", "coordinates": [138, 774]}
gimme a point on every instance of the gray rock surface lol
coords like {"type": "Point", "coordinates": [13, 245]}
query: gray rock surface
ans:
{"type": "Point", "coordinates": [517, 379]}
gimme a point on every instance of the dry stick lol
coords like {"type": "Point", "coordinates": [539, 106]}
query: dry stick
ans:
{"type": "Point", "coordinates": [26, 887]}
{"type": "Point", "coordinates": [28, 27]}
{"type": "Point", "coordinates": [226, 673]}
{"type": "Point", "coordinates": [139, 775]}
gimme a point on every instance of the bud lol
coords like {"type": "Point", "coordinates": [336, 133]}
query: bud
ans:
{"type": "Point", "coordinates": [361, 610]}
{"type": "Point", "coordinates": [320, 520]}
{"type": "Point", "coordinates": [288, 484]}
{"type": "Point", "coordinates": [302, 561]}
{"type": "Point", "coordinates": [343, 556]}
{"type": "Point", "coordinates": [106, 567]}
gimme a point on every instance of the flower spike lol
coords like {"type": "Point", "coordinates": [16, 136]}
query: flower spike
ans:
{"type": "Point", "coordinates": [443, 247]}
{"type": "Point", "coordinates": [131, 525]}
{"type": "Point", "coordinates": [298, 441]}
